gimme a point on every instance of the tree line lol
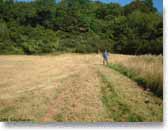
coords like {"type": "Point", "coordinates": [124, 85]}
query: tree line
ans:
{"type": "Point", "coordinates": [80, 26]}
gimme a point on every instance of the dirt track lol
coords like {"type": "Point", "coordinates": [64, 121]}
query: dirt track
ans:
{"type": "Point", "coordinates": [63, 88]}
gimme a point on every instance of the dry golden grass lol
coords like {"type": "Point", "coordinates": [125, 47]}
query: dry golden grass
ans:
{"type": "Point", "coordinates": [42, 88]}
{"type": "Point", "coordinates": [149, 67]}
{"type": "Point", "coordinates": [67, 87]}
{"type": "Point", "coordinates": [126, 101]}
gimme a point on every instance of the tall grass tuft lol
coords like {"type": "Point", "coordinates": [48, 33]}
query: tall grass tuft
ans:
{"type": "Point", "coordinates": [146, 70]}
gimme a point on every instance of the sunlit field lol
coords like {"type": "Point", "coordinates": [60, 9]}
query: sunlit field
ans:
{"type": "Point", "coordinates": [149, 67]}
{"type": "Point", "coordinates": [79, 88]}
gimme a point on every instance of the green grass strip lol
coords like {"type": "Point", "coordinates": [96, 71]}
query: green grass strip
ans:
{"type": "Point", "coordinates": [116, 108]}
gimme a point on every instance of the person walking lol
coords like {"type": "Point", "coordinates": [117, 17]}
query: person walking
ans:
{"type": "Point", "coordinates": [105, 57]}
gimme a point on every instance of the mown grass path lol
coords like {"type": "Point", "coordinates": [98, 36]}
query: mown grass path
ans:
{"type": "Point", "coordinates": [71, 87]}
{"type": "Point", "coordinates": [126, 101]}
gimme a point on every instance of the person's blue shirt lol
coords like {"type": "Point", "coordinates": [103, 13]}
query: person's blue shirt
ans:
{"type": "Point", "coordinates": [105, 55]}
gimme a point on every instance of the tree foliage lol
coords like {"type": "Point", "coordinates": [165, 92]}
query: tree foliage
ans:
{"type": "Point", "coordinates": [82, 26]}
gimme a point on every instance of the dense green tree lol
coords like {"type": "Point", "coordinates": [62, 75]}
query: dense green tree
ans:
{"type": "Point", "coordinates": [83, 26]}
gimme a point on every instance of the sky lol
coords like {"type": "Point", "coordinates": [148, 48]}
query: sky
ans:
{"type": "Point", "coordinates": [157, 3]}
